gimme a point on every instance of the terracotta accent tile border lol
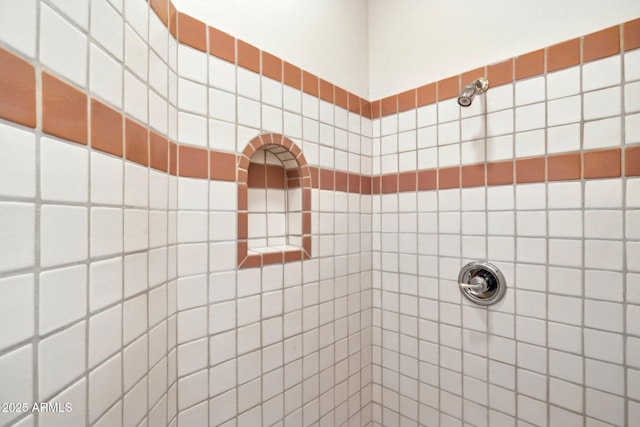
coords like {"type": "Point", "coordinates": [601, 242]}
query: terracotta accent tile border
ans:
{"type": "Point", "coordinates": [69, 113]}
{"type": "Point", "coordinates": [17, 90]}
{"type": "Point", "coordinates": [260, 177]}
{"type": "Point", "coordinates": [593, 164]}
{"type": "Point", "coordinates": [598, 45]}
{"type": "Point", "coordinates": [198, 35]}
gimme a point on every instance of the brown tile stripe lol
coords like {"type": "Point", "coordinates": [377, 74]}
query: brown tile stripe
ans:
{"type": "Point", "coordinates": [158, 152]}
{"type": "Point", "coordinates": [64, 110]}
{"type": "Point", "coordinates": [530, 64]}
{"type": "Point", "coordinates": [563, 55]}
{"type": "Point", "coordinates": [147, 148]}
{"type": "Point", "coordinates": [106, 129]}
{"type": "Point", "coordinates": [530, 170]}
{"type": "Point", "coordinates": [17, 90]}
{"type": "Point", "coordinates": [472, 175]}
{"type": "Point", "coordinates": [192, 32]}
{"type": "Point", "coordinates": [222, 166]}
{"type": "Point", "coordinates": [448, 88]}
{"type": "Point", "coordinates": [193, 162]}
{"type": "Point", "coordinates": [631, 31]}
{"type": "Point", "coordinates": [632, 161]}
{"type": "Point", "coordinates": [222, 45]}
{"type": "Point", "coordinates": [593, 46]}
{"type": "Point", "coordinates": [271, 66]}
{"type": "Point", "coordinates": [449, 178]}
{"type": "Point", "coordinates": [601, 44]}
{"type": "Point", "coordinates": [602, 164]}
{"type": "Point", "coordinates": [136, 143]}
{"type": "Point", "coordinates": [564, 167]}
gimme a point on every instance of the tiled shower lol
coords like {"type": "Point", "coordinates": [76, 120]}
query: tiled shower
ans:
{"type": "Point", "coordinates": [195, 232]}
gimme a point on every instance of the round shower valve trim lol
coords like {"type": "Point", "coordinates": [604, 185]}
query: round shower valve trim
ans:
{"type": "Point", "coordinates": [482, 283]}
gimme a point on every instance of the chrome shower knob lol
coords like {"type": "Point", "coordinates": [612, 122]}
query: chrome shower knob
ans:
{"type": "Point", "coordinates": [482, 283]}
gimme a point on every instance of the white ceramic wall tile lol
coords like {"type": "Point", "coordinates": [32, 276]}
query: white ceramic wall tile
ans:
{"type": "Point", "coordinates": [105, 386]}
{"type": "Point", "coordinates": [563, 138]}
{"type": "Point", "coordinates": [632, 124]}
{"type": "Point", "coordinates": [499, 98]}
{"type": "Point", "coordinates": [602, 103]}
{"type": "Point", "coordinates": [222, 136]}
{"type": "Point", "coordinates": [64, 235]}
{"type": "Point", "coordinates": [105, 76]}
{"type": "Point", "coordinates": [449, 155]}
{"type": "Point", "coordinates": [134, 314]}
{"type": "Point", "coordinates": [54, 372]}
{"type": "Point", "coordinates": [565, 223]}
{"type": "Point", "coordinates": [223, 105]}
{"type": "Point", "coordinates": [604, 406]}
{"type": "Point", "coordinates": [157, 113]}
{"type": "Point", "coordinates": [633, 256]}
{"type": "Point", "coordinates": [18, 309]}
{"type": "Point", "coordinates": [17, 168]}
{"type": "Point", "coordinates": [17, 236]}
{"type": "Point", "coordinates": [158, 37]}
{"type": "Point", "coordinates": [249, 112]}
{"type": "Point", "coordinates": [135, 97]}
{"type": "Point", "coordinates": [500, 123]}
{"type": "Point", "coordinates": [136, 53]}
{"type": "Point", "coordinates": [633, 193]}
{"type": "Point", "coordinates": [18, 26]}
{"type": "Point", "coordinates": [565, 252]}
{"type": "Point", "coordinates": [135, 359]}
{"type": "Point", "coordinates": [158, 74]}
{"type": "Point", "coordinates": [631, 61]}
{"type": "Point", "coordinates": [565, 195]}
{"type": "Point", "coordinates": [105, 335]}
{"type": "Point", "coordinates": [606, 193]}
{"type": "Point", "coordinates": [64, 171]}
{"type": "Point", "coordinates": [62, 297]}
{"type": "Point", "coordinates": [565, 110]}
{"type": "Point", "coordinates": [107, 27]}
{"type": "Point", "coordinates": [603, 224]}
{"type": "Point", "coordinates": [601, 73]}
{"type": "Point", "coordinates": [16, 369]}
{"type": "Point", "coordinates": [529, 144]}
{"type": "Point", "coordinates": [566, 395]}
{"type": "Point", "coordinates": [271, 119]}
{"type": "Point", "coordinates": [192, 64]}
{"type": "Point", "coordinates": [137, 15]}
{"type": "Point", "coordinates": [62, 47]}
{"type": "Point", "coordinates": [530, 117]}
{"type": "Point", "coordinates": [106, 179]}
{"type": "Point", "coordinates": [500, 148]}
{"type": "Point", "coordinates": [563, 83]}
{"type": "Point", "coordinates": [472, 128]}
{"type": "Point", "coordinates": [105, 283]}
{"type": "Point", "coordinates": [530, 91]}
{"type": "Point", "coordinates": [448, 110]}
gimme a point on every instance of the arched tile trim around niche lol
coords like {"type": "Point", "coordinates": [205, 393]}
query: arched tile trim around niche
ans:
{"type": "Point", "coordinates": [293, 152]}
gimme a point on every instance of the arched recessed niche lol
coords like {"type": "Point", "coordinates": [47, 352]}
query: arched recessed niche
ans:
{"type": "Point", "coordinates": [274, 202]}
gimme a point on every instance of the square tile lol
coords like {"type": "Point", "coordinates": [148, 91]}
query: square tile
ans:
{"type": "Point", "coordinates": [17, 235]}
{"type": "Point", "coordinates": [62, 47]}
{"type": "Point", "coordinates": [17, 309]}
{"type": "Point", "coordinates": [54, 353]}
{"type": "Point", "coordinates": [62, 297]}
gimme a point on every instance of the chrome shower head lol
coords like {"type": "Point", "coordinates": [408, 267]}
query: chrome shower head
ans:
{"type": "Point", "coordinates": [474, 88]}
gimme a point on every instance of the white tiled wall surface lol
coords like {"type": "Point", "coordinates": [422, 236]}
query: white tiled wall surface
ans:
{"type": "Point", "coordinates": [119, 291]}
{"type": "Point", "coordinates": [562, 348]}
